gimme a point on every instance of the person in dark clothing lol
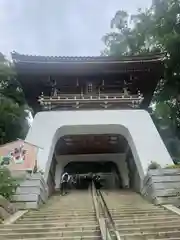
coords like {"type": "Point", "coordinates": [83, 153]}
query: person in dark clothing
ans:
{"type": "Point", "coordinates": [64, 183]}
{"type": "Point", "coordinates": [97, 182]}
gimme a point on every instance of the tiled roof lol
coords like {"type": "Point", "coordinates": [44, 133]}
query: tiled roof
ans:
{"type": "Point", "coordinates": [59, 59]}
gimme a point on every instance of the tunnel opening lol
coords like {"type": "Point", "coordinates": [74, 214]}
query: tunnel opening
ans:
{"type": "Point", "coordinates": [85, 172]}
{"type": "Point", "coordinates": [106, 155]}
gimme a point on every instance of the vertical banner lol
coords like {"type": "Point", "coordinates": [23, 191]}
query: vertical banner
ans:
{"type": "Point", "coordinates": [18, 155]}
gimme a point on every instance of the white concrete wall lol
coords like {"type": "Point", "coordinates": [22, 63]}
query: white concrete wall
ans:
{"type": "Point", "coordinates": [135, 125]}
{"type": "Point", "coordinates": [118, 159]}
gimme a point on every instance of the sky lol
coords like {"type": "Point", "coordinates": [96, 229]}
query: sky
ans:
{"type": "Point", "coordinates": [59, 27]}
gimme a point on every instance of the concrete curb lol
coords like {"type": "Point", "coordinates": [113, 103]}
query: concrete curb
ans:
{"type": "Point", "coordinates": [172, 208]}
{"type": "Point", "coordinates": [14, 217]}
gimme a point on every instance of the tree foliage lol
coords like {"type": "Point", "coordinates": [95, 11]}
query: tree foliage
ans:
{"type": "Point", "coordinates": [8, 184]}
{"type": "Point", "coordinates": [156, 29]}
{"type": "Point", "coordinates": [12, 104]}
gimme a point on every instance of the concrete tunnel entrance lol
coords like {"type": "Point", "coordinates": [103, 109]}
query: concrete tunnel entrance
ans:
{"type": "Point", "coordinates": [107, 155]}
{"type": "Point", "coordinates": [107, 171]}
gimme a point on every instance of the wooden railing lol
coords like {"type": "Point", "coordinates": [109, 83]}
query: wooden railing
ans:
{"type": "Point", "coordinates": [90, 96]}
{"type": "Point", "coordinates": [52, 101]}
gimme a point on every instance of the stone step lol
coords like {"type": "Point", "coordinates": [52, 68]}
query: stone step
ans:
{"type": "Point", "coordinates": [126, 201]}
{"type": "Point", "coordinates": [35, 215]}
{"type": "Point", "coordinates": [76, 202]}
{"type": "Point", "coordinates": [139, 216]}
{"type": "Point", "coordinates": [37, 229]}
{"type": "Point", "coordinates": [121, 197]}
{"type": "Point", "coordinates": [148, 224]}
{"type": "Point", "coordinates": [37, 235]}
{"type": "Point", "coordinates": [146, 220]}
{"type": "Point", "coordinates": [135, 208]}
{"type": "Point", "coordinates": [149, 230]}
{"type": "Point", "coordinates": [96, 237]}
{"type": "Point", "coordinates": [58, 215]}
{"type": "Point", "coordinates": [71, 198]}
{"type": "Point", "coordinates": [46, 210]}
{"type": "Point", "coordinates": [165, 238]}
{"type": "Point", "coordinates": [60, 220]}
{"type": "Point", "coordinates": [115, 205]}
{"type": "Point", "coordinates": [81, 222]}
{"type": "Point", "coordinates": [161, 211]}
{"type": "Point", "coordinates": [114, 214]}
{"type": "Point", "coordinates": [61, 208]}
{"type": "Point", "coordinates": [148, 236]}
{"type": "Point", "coordinates": [71, 203]}
{"type": "Point", "coordinates": [132, 207]}
{"type": "Point", "coordinates": [56, 218]}
{"type": "Point", "coordinates": [62, 211]}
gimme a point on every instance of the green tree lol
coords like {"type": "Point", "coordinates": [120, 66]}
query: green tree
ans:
{"type": "Point", "coordinates": [12, 104]}
{"type": "Point", "coordinates": [131, 35]}
{"type": "Point", "coordinates": [156, 29]}
{"type": "Point", "coordinates": [8, 184]}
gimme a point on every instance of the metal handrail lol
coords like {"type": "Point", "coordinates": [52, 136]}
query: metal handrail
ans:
{"type": "Point", "coordinates": [107, 211]}
{"type": "Point", "coordinates": [109, 216]}
{"type": "Point", "coordinates": [101, 207]}
{"type": "Point", "coordinates": [102, 221]}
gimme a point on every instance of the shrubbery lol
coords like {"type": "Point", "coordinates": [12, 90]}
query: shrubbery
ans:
{"type": "Point", "coordinates": [8, 184]}
{"type": "Point", "coordinates": [173, 166]}
{"type": "Point", "coordinates": [154, 165]}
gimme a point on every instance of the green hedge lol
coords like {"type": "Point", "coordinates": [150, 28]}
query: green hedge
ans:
{"type": "Point", "coordinates": [8, 184]}
{"type": "Point", "coordinates": [173, 166]}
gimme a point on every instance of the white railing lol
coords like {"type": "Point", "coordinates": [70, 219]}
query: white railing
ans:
{"type": "Point", "coordinates": [104, 101]}
{"type": "Point", "coordinates": [90, 97]}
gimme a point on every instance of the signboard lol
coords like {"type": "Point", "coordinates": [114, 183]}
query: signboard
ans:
{"type": "Point", "coordinates": [18, 155]}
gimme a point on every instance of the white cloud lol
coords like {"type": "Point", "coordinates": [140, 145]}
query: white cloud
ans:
{"type": "Point", "coordinates": [57, 27]}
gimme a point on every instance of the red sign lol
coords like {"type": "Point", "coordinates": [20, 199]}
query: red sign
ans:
{"type": "Point", "coordinates": [18, 155]}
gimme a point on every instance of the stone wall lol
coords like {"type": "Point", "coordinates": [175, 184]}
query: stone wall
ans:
{"type": "Point", "coordinates": [31, 193]}
{"type": "Point", "coordinates": [162, 186]}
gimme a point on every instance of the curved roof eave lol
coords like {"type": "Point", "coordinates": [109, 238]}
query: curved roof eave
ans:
{"type": "Point", "coordinates": [87, 59]}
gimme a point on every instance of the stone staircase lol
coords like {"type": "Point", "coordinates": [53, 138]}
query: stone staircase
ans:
{"type": "Point", "coordinates": [68, 217]}
{"type": "Point", "coordinates": [73, 217]}
{"type": "Point", "coordinates": [136, 219]}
